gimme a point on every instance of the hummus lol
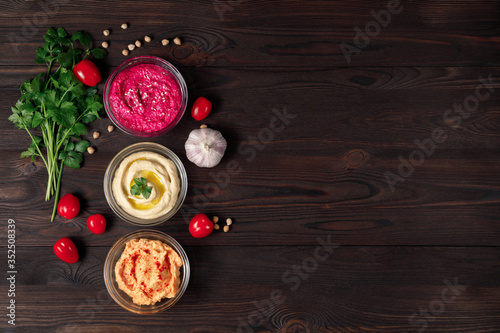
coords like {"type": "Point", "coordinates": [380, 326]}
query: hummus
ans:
{"type": "Point", "coordinates": [148, 271]}
{"type": "Point", "coordinates": [145, 98]}
{"type": "Point", "coordinates": [160, 173]}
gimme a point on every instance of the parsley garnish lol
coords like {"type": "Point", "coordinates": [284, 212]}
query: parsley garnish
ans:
{"type": "Point", "coordinates": [140, 187]}
{"type": "Point", "coordinates": [57, 106]}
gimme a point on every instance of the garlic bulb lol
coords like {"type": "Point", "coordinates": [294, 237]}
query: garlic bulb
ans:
{"type": "Point", "coordinates": [205, 147]}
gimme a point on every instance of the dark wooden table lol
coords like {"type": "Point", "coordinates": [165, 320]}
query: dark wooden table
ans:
{"type": "Point", "coordinates": [389, 152]}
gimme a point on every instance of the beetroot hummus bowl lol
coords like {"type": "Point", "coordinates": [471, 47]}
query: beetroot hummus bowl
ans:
{"type": "Point", "coordinates": [145, 96]}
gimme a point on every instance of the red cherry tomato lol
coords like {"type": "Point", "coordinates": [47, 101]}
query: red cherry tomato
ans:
{"type": "Point", "coordinates": [96, 223]}
{"type": "Point", "coordinates": [87, 73]}
{"type": "Point", "coordinates": [200, 226]}
{"type": "Point", "coordinates": [66, 250]}
{"type": "Point", "coordinates": [69, 206]}
{"type": "Point", "coordinates": [201, 108]}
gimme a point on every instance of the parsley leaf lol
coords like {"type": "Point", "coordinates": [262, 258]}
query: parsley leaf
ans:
{"type": "Point", "coordinates": [82, 146]}
{"type": "Point", "coordinates": [83, 38]}
{"type": "Point", "coordinates": [74, 159]}
{"type": "Point", "coordinates": [140, 187]}
{"type": "Point", "coordinates": [98, 52]}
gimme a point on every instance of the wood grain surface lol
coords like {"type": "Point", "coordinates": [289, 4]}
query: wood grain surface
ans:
{"type": "Point", "coordinates": [421, 255]}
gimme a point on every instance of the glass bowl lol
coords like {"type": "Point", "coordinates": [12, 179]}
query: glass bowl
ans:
{"type": "Point", "coordinates": [152, 61]}
{"type": "Point", "coordinates": [125, 300]}
{"type": "Point", "coordinates": [114, 165]}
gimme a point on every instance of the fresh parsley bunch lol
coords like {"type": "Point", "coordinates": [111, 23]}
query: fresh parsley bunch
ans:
{"type": "Point", "coordinates": [54, 106]}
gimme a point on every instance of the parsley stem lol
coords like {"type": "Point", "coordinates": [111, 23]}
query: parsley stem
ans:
{"type": "Point", "coordinates": [47, 79]}
{"type": "Point", "coordinates": [58, 186]}
{"type": "Point", "coordinates": [50, 158]}
{"type": "Point", "coordinates": [36, 145]}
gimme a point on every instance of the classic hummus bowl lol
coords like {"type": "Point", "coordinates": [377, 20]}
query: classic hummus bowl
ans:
{"type": "Point", "coordinates": [114, 255]}
{"type": "Point", "coordinates": [145, 96]}
{"type": "Point", "coordinates": [164, 178]}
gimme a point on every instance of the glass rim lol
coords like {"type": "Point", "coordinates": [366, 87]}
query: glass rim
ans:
{"type": "Point", "coordinates": [146, 60]}
{"type": "Point", "coordinates": [115, 163]}
{"type": "Point", "coordinates": [115, 253]}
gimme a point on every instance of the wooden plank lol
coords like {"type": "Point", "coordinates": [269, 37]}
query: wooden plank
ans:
{"type": "Point", "coordinates": [355, 289]}
{"type": "Point", "coordinates": [439, 205]}
{"type": "Point", "coordinates": [406, 100]}
{"type": "Point", "coordinates": [291, 33]}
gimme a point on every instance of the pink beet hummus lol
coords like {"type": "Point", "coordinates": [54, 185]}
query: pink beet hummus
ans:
{"type": "Point", "coordinates": [145, 98]}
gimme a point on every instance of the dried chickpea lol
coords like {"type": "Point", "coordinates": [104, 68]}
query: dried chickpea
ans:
{"type": "Point", "coordinates": [203, 126]}
{"type": "Point", "coordinates": [125, 52]}
{"type": "Point", "coordinates": [111, 128]}
{"type": "Point", "coordinates": [229, 221]}
{"type": "Point", "coordinates": [165, 42]}
{"type": "Point", "coordinates": [124, 26]}
{"type": "Point", "coordinates": [226, 228]}
{"type": "Point", "coordinates": [96, 135]}
{"type": "Point", "coordinates": [90, 150]}
{"type": "Point", "coordinates": [105, 45]}
{"type": "Point", "coordinates": [131, 47]}
{"type": "Point", "coordinates": [105, 32]}
{"type": "Point", "coordinates": [147, 39]}
{"type": "Point", "coordinates": [138, 43]}
{"type": "Point", "coordinates": [216, 226]}
{"type": "Point", "coordinates": [177, 41]}
{"type": "Point", "coordinates": [215, 219]}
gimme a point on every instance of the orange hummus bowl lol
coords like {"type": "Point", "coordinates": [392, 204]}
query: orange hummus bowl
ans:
{"type": "Point", "coordinates": [122, 298]}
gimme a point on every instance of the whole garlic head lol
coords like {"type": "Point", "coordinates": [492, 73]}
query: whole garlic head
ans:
{"type": "Point", "coordinates": [205, 147]}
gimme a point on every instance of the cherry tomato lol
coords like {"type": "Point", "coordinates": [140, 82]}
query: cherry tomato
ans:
{"type": "Point", "coordinates": [66, 250]}
{"type": "Point", "coordinates": [87, 73]}
{"type": "Point", "coordinates": [69, 206]}
{"type": "Point", "coordinates": [96, 223]}
{"type": "Point", "coordinates": [201, 108]}
{"type": "Point", "coordinates": [200, 226]}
